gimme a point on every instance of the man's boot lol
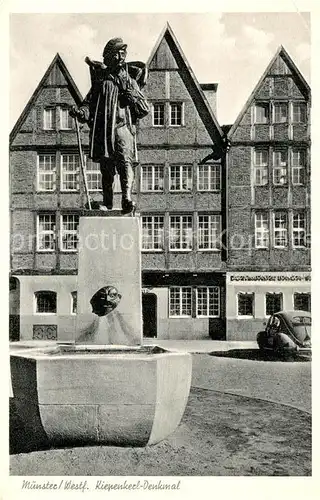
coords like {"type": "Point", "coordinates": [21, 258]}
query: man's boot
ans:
{"type": "Point", "coordinates": [107, 174]}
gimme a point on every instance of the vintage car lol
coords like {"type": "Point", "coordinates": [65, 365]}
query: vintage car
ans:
{"type": "Point", "coordinates": [287, 332]}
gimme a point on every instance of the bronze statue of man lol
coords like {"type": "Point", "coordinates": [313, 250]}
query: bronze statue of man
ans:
{"type": "Point", "coordinates": [111, 109]}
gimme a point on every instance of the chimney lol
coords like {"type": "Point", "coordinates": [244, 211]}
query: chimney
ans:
{"type": "Point", "coordinates": [210, 91]}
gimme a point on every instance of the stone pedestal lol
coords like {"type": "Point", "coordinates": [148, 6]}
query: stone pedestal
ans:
{"type": "Point", "coordinates": [128, 396]}
{"type": "Point", "coordinates": [109, 255]}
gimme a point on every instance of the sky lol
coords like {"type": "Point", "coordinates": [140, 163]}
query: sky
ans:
{"type": "Point", "coordinates": [231, 49]}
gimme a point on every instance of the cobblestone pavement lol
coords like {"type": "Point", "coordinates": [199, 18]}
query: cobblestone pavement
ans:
{"type": "Point", "coordinates": [239, 421]}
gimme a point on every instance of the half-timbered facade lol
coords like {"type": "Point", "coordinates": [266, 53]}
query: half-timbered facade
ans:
{"type": "Point", "coordinates": [269, 200]}
{"type": "Point", "coordinates": [179, 192]}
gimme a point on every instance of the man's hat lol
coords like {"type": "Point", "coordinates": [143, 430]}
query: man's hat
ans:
{"type": "Point", "coordinates": [113, 45]}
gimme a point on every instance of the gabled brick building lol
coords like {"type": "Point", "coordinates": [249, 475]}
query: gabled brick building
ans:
{"type": "Point", "coordinates": [180, 193]}
{"type": "Point", "coordinates": [268, 190]}
{"type": "Point", "coordinates": [45, 197]}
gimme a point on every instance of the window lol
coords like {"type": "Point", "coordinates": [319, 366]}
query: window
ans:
{"type": "Point", "coordinates": [46, 302]}
{"type": "Point", "coordinates": [152, 232]}
{"type": "Point", "coordinates": [158, 115]}
{"type": "Point", "coordinates": [70, 172]}
{"type": "Point", "coordinates": [245, 304]}
{"type": "Point", "coordinates": [208, 302]}
{"type": "Point", "coordinates": [280, 230]}
{"type": "Point", "coordinates": [74, 299]}
{"type": "Point", "coordinates": [209, 177]}
{"type": "Point", "coordinates": [181, 232]}
{"type": "Point", "coordinates": [69, 232]}
{"type": "Point", "coordinates": [180, 301]}
{"type": "Point", "coordinates": [261, 230]}
{"type": "Point", "coordinates": [298, 167]}
{"type": "Point", "coordinates": [46, 172]}
{"type": "Point", "coordinates": [46, 227]}
{"type": "Point", "coordinates": [209, 227]}
{"type": "Point", "coordinates": [152, 178]}
{"type": "Point", "coordinates": [176, 114]}
{"type": "Point", "coordinates": [261, 159]}
{"type": "Point", "coordinates": [49, 119]}
{"type": "Point", "coordinates": [280, 167]}
{"type": "Point", "coordinates": [280, 112]}
{"type": "Point", "coordinates": [273, 303]}
{"type": "Point", "coordinates": [180, 178]}
{"type": "Point", "coordinates": [299, 112]}
{"type": "Point", "coordinates": [299, 229]}
{"type": "Point", "coordinates": [93, 175]}
{"type": "Point", "coordinates": [66, 121]}
{"type": "Point", "coordinates": [262, 113]}
{"type": "Point", "coordinates": [302, 302]}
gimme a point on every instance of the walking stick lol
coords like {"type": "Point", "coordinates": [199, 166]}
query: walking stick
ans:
{"type": "Point", "coordinates": [83, 171]}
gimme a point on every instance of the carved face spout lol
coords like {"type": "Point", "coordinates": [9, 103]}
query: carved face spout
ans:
{"type": "Point", "coordinates": [105, 300]}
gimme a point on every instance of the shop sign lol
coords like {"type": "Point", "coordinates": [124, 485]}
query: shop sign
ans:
{"type": "Point", "coordinates": [270, 277]}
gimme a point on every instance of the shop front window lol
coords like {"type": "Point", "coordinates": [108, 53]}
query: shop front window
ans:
{"type": "Point", "coordinates": [273, 303]}
{"type": "Point", "coordinates": [245, 304]}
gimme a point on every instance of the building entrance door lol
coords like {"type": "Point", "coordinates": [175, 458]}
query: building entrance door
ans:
{"type": "Point", "coordinates": [149, 314]}
{"type": "Point", "coordinates": [14, 309]}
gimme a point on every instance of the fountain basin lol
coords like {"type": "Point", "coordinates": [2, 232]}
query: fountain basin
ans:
{"type": "Point", "coordinates": [77, 394]}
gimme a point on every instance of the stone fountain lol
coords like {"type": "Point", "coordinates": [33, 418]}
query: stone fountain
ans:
{"type": "Point", "coordinates": [106, 387]}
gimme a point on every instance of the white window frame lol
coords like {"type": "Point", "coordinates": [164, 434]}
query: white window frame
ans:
{"type": "Point", "coordinates": [185, 223]}
{"type": "Point", "coordinates": [279, 230]}
{"type": "Point", "coordinates": [145, 177]}
{"type": "Point", "coordinates": [299, 121]}
{"type": "Point", "coordinates": [157, 226]}
{"type": "Point", "coordinates": [52, 172]}
{"type": "Point", "coordinates": [265, 233]}
{"type": "Point", "coordinates": [214, 177]}
{"type": "Point", "coordinates": [280, 104]}
{"type": "Point", "coordinates": [280, 167]}
{"type": "Point", "coordinates": [176, 103]}
{"type": "Point", "coordinates": [46, 232]}
{"type": "Point", "coordinates": [36, 295]}
{"type": "Point", "coordinates": [261, 167]}
{"type": "Point", "coordinates": [264, 105]}
{"type": "Point", "coordinates": [64, 172]}
{"type": "Point", "coordinates": [212, 221]}
{"type": "Point", "coordinates": [306, 294]}
{"type": "Point", "coordinates": [181, 290]}
{"type": "Point", "coordinates": [69, 119]}
{"type": "Point", "coordinates": [183, 173]}
{"type": "Point", "coordinates": [299, 166]}
{"type": "Point", "coordinates": [163, 107]}
{"type": "Point", "coordinates": [95, 173]}
{"type": "Point", "coordinates": [64, 232]}
{"type": "Point", "coordinates": [302, 230]}
{"type": "Point", "coordinates": [246, 316]}
{"type": "Point", "coordinates": [215, 289]}
{"type": "Point", "coordinates": [52, 113]}
{"type": "Point", "coordinates": [280, 295]}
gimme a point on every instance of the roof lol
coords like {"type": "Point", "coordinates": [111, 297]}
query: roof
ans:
{"type": "Point", "coordinates": [291, 314]}
{"type": "Point", "coordinates": [300, 80]}
{"type": "Point", "coordinates": [71, 84]}
{"type": "Point", "coordinates": [204, 109]}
